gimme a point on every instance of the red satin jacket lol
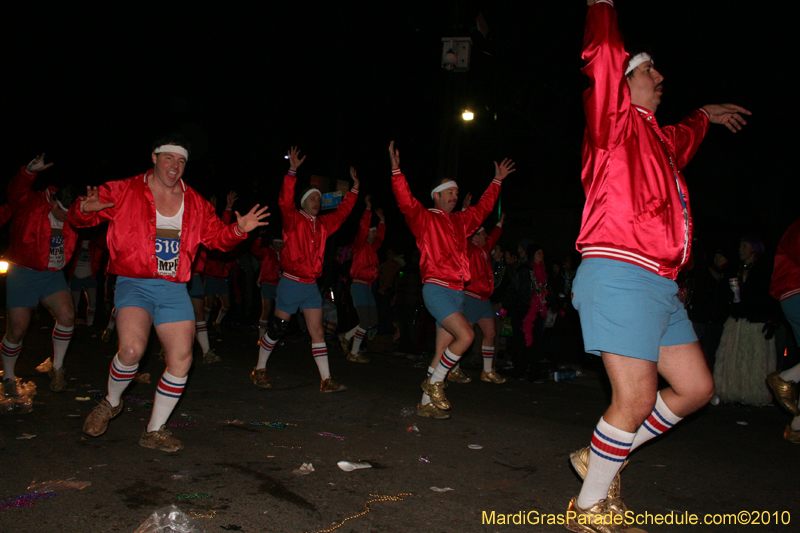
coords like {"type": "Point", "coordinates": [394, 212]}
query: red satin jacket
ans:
{"type": "Point", "coordinates": [29, 245]}
{"type": "Point", "coordinates": [132, 228]}
{"type": "Point", "coordinates": [304, 235]}
{"type": "Point", "coordinates": [270, 263]}
{"type": "Point", "coordinates": [786, 274]}
{"type": "Point", "coordinates": [365, 265]}
{"type": "Point", "coordinates": [442, 238]}
{"type": "Point", "coordinates": [481, 286]}
{"type": "Point", "coordinates": [637, 204]}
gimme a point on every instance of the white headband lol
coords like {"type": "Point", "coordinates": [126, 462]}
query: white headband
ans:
{"type": "Point", "coordinates": [62, 206]}
{"type": "Point", "coordinates": [444, 186]}
{"type": "Point", "coordinates": [277, 239]}
{"type": "Point", "coordinates": [174, 148]}
{"type": "Point", "coordinates": [637, 60]}
{"type": "Point", "coordinates": [308, 193]}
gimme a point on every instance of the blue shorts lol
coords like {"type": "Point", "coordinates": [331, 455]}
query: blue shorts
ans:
{"type": "Point", "coordinates": [216, 287]}
{"type": "Point", "coordinates": [442, 302]}
{"type": "Point", "coordinates": [81, 284]}
{"type": "Point", "coordinates": [268, 291]}
{"type": "Point", "coordinates": [627, 310]}
{"type": "Point", "coordinates": [293, 295]}
{"type": "Point", "coordinates": [26, 288]}
{"type": "Point", "coordinates": [362, 295]}
{"type": "Point", "coordinates": [475, 309]}
{"type": "Point", "coordinates": [195, 287]}
{"type": "Point", "coordinates": [166, 301]}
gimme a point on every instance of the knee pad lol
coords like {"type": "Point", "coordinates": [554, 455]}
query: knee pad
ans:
{"type": "Point", "coordinates": [277, 328]}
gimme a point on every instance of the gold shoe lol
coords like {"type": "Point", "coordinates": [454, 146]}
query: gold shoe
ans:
{"type": "Point", "coordinates": [785, 392]}
{"type": "Point", "coordinates": [791, 435]}
{"type": "Point", "coordinates": [161, 440]}
{"type": "Point", "coordinates": [329, 385]}
{"type": "Point", "coordinates": [436, 392]}
{"type": "Point", "coordinates": [458, 376]}
{"type": "Point", "coordinates": [431, 411]}
{"type": "Point", "coordinates": [598, 518]}
{"type": "Point", "coordinates": [344, 343]}
{"type": "Point", "coordinates": [492, 377]}
{"type": "Point", "coordinates": [580, 462]}
{"type": "Point", "coordinates": [58, 379]}
{"type": "Point", "coordinates": [357, 358]}
{"type": "Point", "coordinates": [260, 378]}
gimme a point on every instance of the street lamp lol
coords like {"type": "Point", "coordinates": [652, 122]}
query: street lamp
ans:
{"type": "Point", "coordinates": [467, 115]}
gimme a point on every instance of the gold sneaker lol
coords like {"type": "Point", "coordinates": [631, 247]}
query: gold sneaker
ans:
{"type": "Point", "coordinates": [580, 462]}
{"type": "Point", "coordinates": [785, 392]}
{"type": "Point", "coordinates": [260, 378]}
{"type": "Point", "coordinates": [161, 440]}
{"type": "Point", "coordinates": [329, 385]}
{"type": "Point", "coordinates": [791, 435]}
{"type": "Point", "coordinates": [492, 377]}
{"type": "Point", "coordinates": [431, 411]}
{"type": "Point", "coordinates": [344, 343]}
{"type": "Point", "coordinates": [458, 376]}
{"type": "Point", "coordinates": [436, 392]}
{"type": "Point", "coordinates": [598, 518]}
{"type": "Point", "coordinates": [97, 422]}
{"type": "Point", "coordinates": [357, 358]}
{"type": "Point", "coordinates": [58, 379]}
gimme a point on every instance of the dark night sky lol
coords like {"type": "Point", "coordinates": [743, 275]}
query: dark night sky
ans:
{"type": "Point", "coordinates": [93, 89]}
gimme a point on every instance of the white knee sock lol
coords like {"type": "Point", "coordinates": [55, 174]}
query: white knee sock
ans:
{"type": "Point", "coordinates": [609, 449]}
{"type": "Point", "coordinates": [320, 352]}
{"type": "Point", "coordinates": [359, 336]}
{"type": "Point", "coordinates": [448, 361]}
{"type": "Point", "coordinates": [10, 354]}
{"type": "Point", "coordinates": [659, 421]}
{"type": "Point", "coordinates": [488, 358]}
{"type": "Point", "coordinates": [425, 398]}
{"type": "Point", "coordinates": [61, 337]}
{"type": "Point", "coordinates": [201, 333]}
{"type": "Point", "coordinates": [119, 377]}
{"type": "Point", "coordinates": [264, 351]}
{"type": "Point", "coordinates": [168, 392]}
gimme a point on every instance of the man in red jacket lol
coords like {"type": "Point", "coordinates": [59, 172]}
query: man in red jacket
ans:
{"type": "Point", "coordinates": [304, 236]}
{"type": "Point", "coordinates": [156, 225]}
{"type": "Point", "coordinates": [364, 272]}
{"type": "Point", "coordinates": [42, 242]}
{"type": "Point", "coordinates": [270, 275]}
{"type": "Point", "coordinates": [442, 240]}
{"type": "Point", "coordinates": [635, 237]}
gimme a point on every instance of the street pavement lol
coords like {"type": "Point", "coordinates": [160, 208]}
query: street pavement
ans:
{"type": "Point", "coordinates": [244, 447]}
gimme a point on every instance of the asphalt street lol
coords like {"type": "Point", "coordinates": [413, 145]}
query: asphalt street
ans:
{"type": "Point", "coordinates": [505, 451]}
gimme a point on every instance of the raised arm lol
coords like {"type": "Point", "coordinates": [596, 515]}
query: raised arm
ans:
{"type": "Point", "coordinates": [97, 206]}
{"type": "Point", "coordinates": [19, 188]}
{"type": "Point", "coordinates": [476, 214]}
{"type": "Point", "coordinates": [607, 100]}
{"type": "Point", "coordinates": [494, 235]}
{"type": "Point", "coordinates": [408, 205]}
{"type": "Point", "coordinates": [363, 227]}
{"type": "Point", "coordinates": [286, 197]}
{"type": "Point", "coordinates": [334, 220]}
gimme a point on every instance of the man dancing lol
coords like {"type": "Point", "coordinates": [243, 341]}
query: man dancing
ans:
{"type": "Point", "coordinates": [635, 236]}
{"type": "Point", "coordinates": [364, 272]}
{"type": "Point", "coordinates": [442, 240]}
{"type": "Point", "coordinates": [156, 224]}
{"type": "Point", "coordinates": [304, 236]}
{"type": "Point", "coordinates": [42, 242]}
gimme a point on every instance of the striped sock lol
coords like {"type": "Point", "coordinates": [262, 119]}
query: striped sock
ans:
{"type": "Point", "coordinates": [221, 316]}
{"type": "Point", "coordinates": [609, 449]}
{"type": "Point", "coordinates": [488, 358]}
{"type": "Point", "coordinates": [201, 333]}
{"type": "Point", "coordinates": [349, 334]}
{"type": "Point", "coordinates": [425, 398]}
{"type": "Point", "coordinates": [320, 352]}
{"type": "Point", "coordinates": [168, 392]}
{"type": "Point", "coordinates": [448, 361]}
{"type": "Point", "coordinates": [659, 421]}
{"type": "Point", "coordinates": [61, 337]}
{"type": "Point", "coordinates": [264, 351]}
{"type": "Point", "coordinates": [263, 325]}
{"type": "Point", "coordinates": [119, 377]}
{"type": "Point", "coordinates": [10, 352]}
{"type": "Point", "coordinates": [359, 336]}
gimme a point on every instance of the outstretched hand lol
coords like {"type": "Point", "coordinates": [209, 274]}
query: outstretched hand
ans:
{"type": "Point", "coordinates": [38, 164]}
{"type": "Point", "coordinates": [232, 196]}
{"type": "Point", "coordinates": [394, 156]}
{"type": "Point", "coordinates": [379, 212]}
{"type": "Point", "coordinates": [728, 115]}
{"type": "Point", "coordinates": [502, 170]}
{"type": "Point", "coordinates": [91, 202]}
{"type": "Point", "coordinates": [252, 220]}
{"type": "Point", "coordinates": [467, 201]}
{"type": "Point", "coordinates": [294, 158]}
{"type": "Point", "coordinates": [368, 200]}
{"type": "Point", "coordinates": [354, 175]}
